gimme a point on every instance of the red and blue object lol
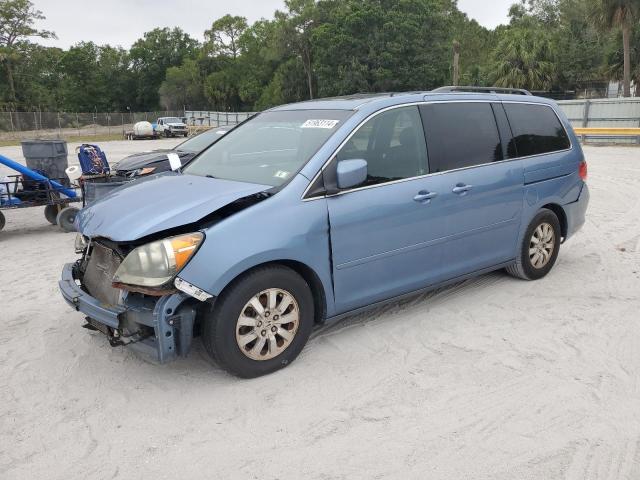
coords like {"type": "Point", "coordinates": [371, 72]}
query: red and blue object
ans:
{"type": "Point", "coordinates": [93, 160]}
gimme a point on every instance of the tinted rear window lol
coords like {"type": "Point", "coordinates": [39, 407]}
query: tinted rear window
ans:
{"type": "Point", "coordinates": [460, 135]}
{"type": "Point", "coordinates": [536, 129]}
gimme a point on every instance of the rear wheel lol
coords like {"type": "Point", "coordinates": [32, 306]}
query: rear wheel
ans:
{"type": "Point", "coordinates": [539, 248]}
{"type": "Point", "coordinates": [261, 322]}
{"type": "Point", "coordinates": [66, 219]}
{"type": "Point", "coordinates": [2, 221]}
{"type": "Point", "coordinates": [51, 214]}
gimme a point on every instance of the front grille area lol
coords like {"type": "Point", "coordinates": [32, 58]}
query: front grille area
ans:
{"type": "Point", "coordinates": [98, 275]}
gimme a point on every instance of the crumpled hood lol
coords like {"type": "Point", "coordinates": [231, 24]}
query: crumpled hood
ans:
{"type": "Point", "coordinates": [159, 202]}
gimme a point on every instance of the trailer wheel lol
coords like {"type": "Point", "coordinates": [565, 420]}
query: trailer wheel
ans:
{"type": "Point", "coordinates": [51, 214]}
{"type": "Point", "coordinates": [66, 219]}
{"type": "Point", "coordinates": [2, 221]}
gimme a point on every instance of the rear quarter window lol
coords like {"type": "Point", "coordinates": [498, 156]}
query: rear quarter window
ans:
{"type": "Point", "coordinates": [536, 130]}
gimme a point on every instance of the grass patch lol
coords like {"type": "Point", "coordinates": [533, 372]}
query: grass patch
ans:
{"type": "Point", "coordinates": [71, 139]}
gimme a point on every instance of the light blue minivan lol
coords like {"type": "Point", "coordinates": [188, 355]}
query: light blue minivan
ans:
{"type": "Point", "coordinates": [309, 212]}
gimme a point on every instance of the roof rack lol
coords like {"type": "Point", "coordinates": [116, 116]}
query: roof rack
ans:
{"type": "Point", "coordinates": [514, 91]}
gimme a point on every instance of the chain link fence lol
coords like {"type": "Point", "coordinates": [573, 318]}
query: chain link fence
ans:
{"type": "Point", "coordinates": [24, 125]}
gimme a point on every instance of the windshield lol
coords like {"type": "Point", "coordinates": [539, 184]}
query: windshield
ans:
{"type": "Point", "coordinates": [172, 120]}
{"type": "Point", "coordinates": [270, 148]}
{"type": "Point", "coordinates": [201, 141]}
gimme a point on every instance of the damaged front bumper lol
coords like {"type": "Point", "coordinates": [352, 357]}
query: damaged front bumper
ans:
{"type": "Point", "coordinates": [166, 323]}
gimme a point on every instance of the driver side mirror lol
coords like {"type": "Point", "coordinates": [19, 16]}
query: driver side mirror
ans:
{"type": "Point", "coordinates": [351, 173]}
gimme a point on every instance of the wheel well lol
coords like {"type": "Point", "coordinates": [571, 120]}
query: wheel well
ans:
{"type": "Point", "coordinates": [562, 217]}
{"type": "Point", "coordinates": [312, 279]}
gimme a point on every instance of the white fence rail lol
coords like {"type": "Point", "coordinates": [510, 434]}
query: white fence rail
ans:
{"type": "Point", "coordinates": [604, 113]}
{"type": "Point", "coordinates": [201, 118]}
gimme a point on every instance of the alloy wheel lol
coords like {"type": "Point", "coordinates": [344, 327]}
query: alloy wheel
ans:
{"type": "Point", "coordinates": [541, 245]}
{"type": "Point", "coordinates": [267, 324]}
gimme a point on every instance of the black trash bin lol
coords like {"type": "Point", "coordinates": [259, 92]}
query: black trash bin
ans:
{"type": "Point", "coordinates": [48, 156]}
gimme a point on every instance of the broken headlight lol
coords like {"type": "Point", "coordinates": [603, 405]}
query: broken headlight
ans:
{"type": "Point", "coordinates": [80, 243]}
{"type": "Point", "coordinates": [156, 263]}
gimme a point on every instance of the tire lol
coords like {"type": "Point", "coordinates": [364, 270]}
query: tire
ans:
{"type": "Point", "coordinates": [3, 222]}
{"type": "Point", "coordinates": [222, 333]}
{"type": "Point", "coordinates": [66, 218]}
{"type": "Point", "coordinates": [51, 214]}
{"type": "Point", "coordinates": [186, 135]}
{"type": "Point", "coordinates": [528, 266]}
{"type": "Point", "coordinates": [167, 133]}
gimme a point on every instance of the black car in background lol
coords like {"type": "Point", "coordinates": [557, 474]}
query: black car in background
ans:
{"type": "Point", "coordinates": [156, 161]}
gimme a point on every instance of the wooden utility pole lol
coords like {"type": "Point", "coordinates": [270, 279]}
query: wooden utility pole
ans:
{"type": "Point", "coordinates": [456, 63]}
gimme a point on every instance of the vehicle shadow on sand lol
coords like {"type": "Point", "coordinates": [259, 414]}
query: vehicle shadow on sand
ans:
{"type": "Point", "coordinates": [198, 363]}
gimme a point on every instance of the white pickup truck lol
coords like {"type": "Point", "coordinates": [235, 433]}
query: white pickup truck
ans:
{"type": "Point", "coordinates": [171, 127]}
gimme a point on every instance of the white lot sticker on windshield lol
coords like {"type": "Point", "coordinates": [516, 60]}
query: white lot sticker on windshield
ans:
{"type": "Point", "coordinates": [329, 124]}
{"type": "Point", "coordinates": [281, 174]}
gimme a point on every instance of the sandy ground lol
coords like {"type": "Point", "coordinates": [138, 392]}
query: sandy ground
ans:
{"type": "Point", "coordinates": [494, 378]}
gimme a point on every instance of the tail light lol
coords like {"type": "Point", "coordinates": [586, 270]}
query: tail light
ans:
{"type": "Point", "coordinates": [582, 170]}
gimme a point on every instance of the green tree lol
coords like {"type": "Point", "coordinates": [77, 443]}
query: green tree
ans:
{"type": "Point", "coordinates": [223, 48]}
{"type": "Point", "coordinates": [17, 18]}
{"type": "Point", "coordinates": [259, 61]}
{"type": "Point", "coordinates": [579, 48]}
{"type": "Point", "coordinates": [476, 44]}
{"type": "Point", "coordinates": [382, 45]}
{"type": "Point", "coordinates": [152, 55]}
{"type": "Point", "coordinates": [524, 54]}
{"type": "Point", "coordinates": [38, 76]}
{"type": "Point", "coordinates": [623, 15]}
{"type": "Point", "coordinates": [223, 38]}
{"type": "Point", "coordinates": [182, 86]}
{"type": "Point", "coordinates": [296, 26]}
{"type": "Point", "coordinates": [116, 79]}
{"type": "Point", "coordinates": [522, 59]}
{"type": "Point", "coordinates": [222, 89]}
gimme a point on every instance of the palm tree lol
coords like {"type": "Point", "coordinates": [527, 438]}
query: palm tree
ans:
{"type": "Point", "coordinates": [523, 59]}
{"type": "Point", "coordinates": [621, 14]}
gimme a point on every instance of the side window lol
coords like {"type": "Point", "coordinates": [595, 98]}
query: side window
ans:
{"type": "Point", "coordinates": [460, 135]}
{"type": "Point", "coordinates": [536, 129]}
{"type": "Point", "coordinates": [393, 145]}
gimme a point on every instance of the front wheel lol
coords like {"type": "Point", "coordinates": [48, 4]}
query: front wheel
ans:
{"type": "Point", "coordinates": [261, 322]}
{"type": "Point", "coordinates": [66, 219]}
{"type": "Point", "coordinates": [539, 247]}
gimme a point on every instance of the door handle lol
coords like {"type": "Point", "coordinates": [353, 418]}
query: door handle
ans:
{"type": "Point", "coordinates": [424, 197]}
{"type": "Point", "coordinates": [461, 188]}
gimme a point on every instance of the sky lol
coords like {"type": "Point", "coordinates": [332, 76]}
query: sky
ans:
{"type": "Point", "coordinates": [122, 22]}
